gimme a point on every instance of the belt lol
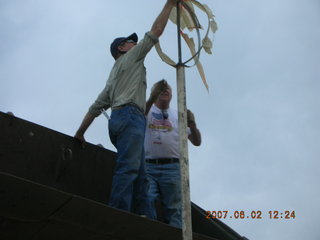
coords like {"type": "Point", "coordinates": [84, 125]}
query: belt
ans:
{"type": "Point", "coordinates": [162, 160]}
{"type": "Point", "coordinates": [128, 104]}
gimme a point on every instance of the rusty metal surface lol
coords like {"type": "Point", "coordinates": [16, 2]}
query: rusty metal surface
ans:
{"type": "Point", "coordinates": [54, 159]}
{"type": "Point", "coordinates": [33, 211]}
{"type": "Point", "coordinates": [50, 184]}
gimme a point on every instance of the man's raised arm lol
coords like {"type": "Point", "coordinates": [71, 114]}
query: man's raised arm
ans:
{"type": "Point", "coordinates": [161, 21]}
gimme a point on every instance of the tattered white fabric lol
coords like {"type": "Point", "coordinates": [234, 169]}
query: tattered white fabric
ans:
{"type": "Point", "coordinates": [186, 22]}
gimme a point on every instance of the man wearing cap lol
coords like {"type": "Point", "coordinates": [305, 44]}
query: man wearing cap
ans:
{"type": "Point", "coordinates": [125, 93]}
{"type": "Point", "coordinates": [162, 154]}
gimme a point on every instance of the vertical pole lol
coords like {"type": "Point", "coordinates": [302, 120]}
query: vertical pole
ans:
{"type": "Point", "coordinates": [183, 141]}
{"type": "Point", "coordinates": [184, 161]}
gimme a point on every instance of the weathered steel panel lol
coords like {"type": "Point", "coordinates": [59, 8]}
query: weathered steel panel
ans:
{"type": "Point", "coordinates": [33, 211]}
{"type": "Point", "coordinates": [51, 168]}
{"type": "Point", "coordinates": [54, 159]}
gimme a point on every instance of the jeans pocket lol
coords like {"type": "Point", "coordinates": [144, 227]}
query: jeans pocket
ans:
{"type": "Point", "coordinates": [119, 120]}
{"type": "Point", "coordinates": [138, 117]}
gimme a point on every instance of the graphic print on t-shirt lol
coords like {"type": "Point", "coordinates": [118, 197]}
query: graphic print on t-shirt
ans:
{"type": "Point", "coordinates": [158, 123]}
{"type": "Point", "coordinates": [162, 137]}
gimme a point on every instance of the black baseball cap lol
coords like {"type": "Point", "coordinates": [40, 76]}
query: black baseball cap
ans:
{"type": "Point", "coordinates": [115, 44]}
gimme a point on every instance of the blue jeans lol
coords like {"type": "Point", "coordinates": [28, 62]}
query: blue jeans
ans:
{"type": "Point", "coordinates": [129, 184]}
{"type": "Point", "coordinates": [165, 185]}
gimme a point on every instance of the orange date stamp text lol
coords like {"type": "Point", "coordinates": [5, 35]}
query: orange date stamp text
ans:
{"type": "Point", "coordinates": [254, 214]}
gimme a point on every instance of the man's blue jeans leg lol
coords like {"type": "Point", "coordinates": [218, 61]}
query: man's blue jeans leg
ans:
{"type": "Point", "coordinates": [129, 184]}
{"type": "Point", "coordinates": [165, 184]}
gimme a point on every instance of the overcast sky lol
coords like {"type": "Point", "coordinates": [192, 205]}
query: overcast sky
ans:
{"type": "Point", "coordinates": [259, 122]}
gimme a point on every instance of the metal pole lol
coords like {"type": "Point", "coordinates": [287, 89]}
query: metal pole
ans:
{"type": "Point", "coordinates": [184, 162]}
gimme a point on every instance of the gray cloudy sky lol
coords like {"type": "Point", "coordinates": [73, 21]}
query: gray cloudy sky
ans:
{"type": "Point", "coordinates": [259, 123]}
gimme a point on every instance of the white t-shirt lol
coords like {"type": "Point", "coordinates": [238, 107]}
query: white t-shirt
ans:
{"type": "Point", "coordinates": [162, 135]}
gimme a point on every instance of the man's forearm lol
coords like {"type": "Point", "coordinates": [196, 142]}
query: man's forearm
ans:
{"type": "Point", "coordinates": [149, 103]}
{"type": "Point", "coordinates": [161, 21]}
{"type": "Point", "coordinates": [86, 122]}
{"type": "Point", "coordinates": [195, 136]}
